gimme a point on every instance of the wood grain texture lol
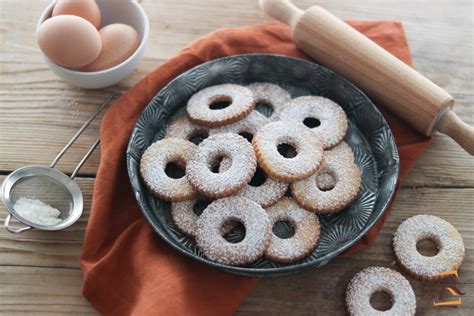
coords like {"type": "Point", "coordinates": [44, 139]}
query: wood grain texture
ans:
{"type": "Point", "coordinates": [39, 271]}
{"type": "Point", "coordinates": [41, 258]}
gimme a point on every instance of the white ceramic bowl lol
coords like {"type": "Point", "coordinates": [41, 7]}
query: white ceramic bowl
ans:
{"type": "Point", "coordinates": [113, 11]}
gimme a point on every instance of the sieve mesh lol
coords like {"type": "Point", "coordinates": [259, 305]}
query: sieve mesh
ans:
{"type": "Point", "coordinates": [45, 189]}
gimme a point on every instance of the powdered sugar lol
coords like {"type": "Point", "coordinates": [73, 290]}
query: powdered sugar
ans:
{"type": "Point", "coordinates": [37, 212]}
{"type": "Point", "coordinates": [419, 227]}
{"type": "Point", "coordinates": [370, 280]}
{"type": "Point", "coordinates": [332, 118]}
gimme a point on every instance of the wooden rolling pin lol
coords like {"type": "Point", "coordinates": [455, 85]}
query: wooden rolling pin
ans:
{"type": "Point", "coordinates": [405, 92]}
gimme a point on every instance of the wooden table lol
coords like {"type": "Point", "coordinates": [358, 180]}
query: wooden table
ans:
{"type": "Point", "coordinates": [39, 271]}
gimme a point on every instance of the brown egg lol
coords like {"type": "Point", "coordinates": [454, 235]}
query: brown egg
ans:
{"type": "Point", "coordinates": [87, 9]}
{"type": "Point", "coordinates": [119, 41]}
{"type": "Point", "coordinates": [69, 40]}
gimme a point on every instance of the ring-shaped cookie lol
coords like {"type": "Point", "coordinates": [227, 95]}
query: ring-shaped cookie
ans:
{"type": "Point", "coordinates": [305, 225]}
{"type": "Point", "coordinates": [308, 147]}
{"type": "Point", "coordinates": [233, 209]}
{"type": "Point", "coordinates": [272, 96]}
{"type": "Point", "coordinates": [324, 117]}
{"type": "Point", "coordinates": [200, 107]}
{"type": "Point", "coordinates": [183, 128]}
{"type": "Point", "coordinates": [377, 279]}
{"type": "Point", "coordinates": [221, 146]}
{"type": "Point", "coordinates": [420, 227]}
{"type": "Point", "coordinates": [153, 169]}
{"type": "Point", "coordinates": [323, 199]}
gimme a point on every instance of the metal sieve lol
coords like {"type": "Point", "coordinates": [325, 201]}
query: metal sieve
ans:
{"type": "Point", "coordinates": [49, 186]}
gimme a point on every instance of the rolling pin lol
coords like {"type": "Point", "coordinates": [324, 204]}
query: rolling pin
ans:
{"type": "Point", "coordinates": [386, 79]}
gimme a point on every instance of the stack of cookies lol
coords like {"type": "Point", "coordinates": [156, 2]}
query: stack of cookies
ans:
{"type": "Point", "coordinates": [226, 164]}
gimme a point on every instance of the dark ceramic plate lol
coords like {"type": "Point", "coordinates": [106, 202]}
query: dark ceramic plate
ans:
{"type": "Point", "coordinates": [368, 135]}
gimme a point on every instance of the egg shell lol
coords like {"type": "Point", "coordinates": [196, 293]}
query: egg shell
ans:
{"type": "Point", "coordinates": [69, 40]}
{"type": "Point", "coordinates": [87, 9]}
{"type": "Point", "coordinates": [119, 41]}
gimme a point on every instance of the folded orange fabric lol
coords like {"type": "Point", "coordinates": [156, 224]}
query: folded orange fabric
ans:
{"type": "Point", "coordinates": [127, 268]}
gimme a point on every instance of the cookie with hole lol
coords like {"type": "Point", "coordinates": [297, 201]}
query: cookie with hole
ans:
{"type": "Point", "coordinates": [270, 99]}
{"type": "Point", "coordinates": [162, 168]}
{"type": "Point", "coordinates": [305, 148]}
{"type": "Point", "coordinates": [246, 127]}
{"type": "Point", "coordinates": [333, 186]}
{"type": "Point", "coordinates": [283, 246]}
{"type": "Point", "coordinates": [322, 116]}
{"type": "Point", "coordinates": [233, 209]}
{"type": "Point", "coordinates": [185, 215]}
{"type": "Point", "coordinates": [205, 177]}
{"type": "Point", "coordinates": [450, 245]}
{"type": "Point", "coordinates": [376, 279]}
{"type": "Point", "coordinates": [183, 128]}
{"type": "Point", "coordinates": [220, 105]}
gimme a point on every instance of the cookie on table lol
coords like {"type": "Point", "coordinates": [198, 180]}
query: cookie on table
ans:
{"type": "Point", "coordinates": [375, 279]}
{"type": "Point", "coordinates": [450, 244]}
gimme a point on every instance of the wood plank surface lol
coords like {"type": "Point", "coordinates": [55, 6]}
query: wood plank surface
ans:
{"type": "Point", "coordinates": [42, 258]}
{"type": "Point", "coordinates": [40, 272]}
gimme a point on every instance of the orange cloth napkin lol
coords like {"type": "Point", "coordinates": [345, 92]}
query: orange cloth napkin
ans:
{"type": "Point", "coordinates": [128, 270]}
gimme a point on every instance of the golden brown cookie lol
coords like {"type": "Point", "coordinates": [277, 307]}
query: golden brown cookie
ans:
{"type": "Point", "coordinates": [220, 105]}
{"type": "Point", "coordinates": [450, 245]}
{"type": "Point", "coordinates": [315, 193]}
{"type": "Point", "coordinates": [251, 215]}
{"type": "Point", "coordinates": [308, 148]}
{"type": "Point", "coordinates": [305, 225]}
{"type": "Point", "coordinates": [246, 127]}
{"type": "Point", "coordinates": [157, 164]}
{"type": "Point", "coordinates": [211, 183]}
{"type": "Point", "coordinates": [272, 96]}
{"type": "Point", "coordinates": [325, 118]}
{"type": "Point", "coordinates": [183, 128]}
{"type": "Point", "coordinates": [186, 213]}
{"type": "Point", "coordinates": [375, 279]}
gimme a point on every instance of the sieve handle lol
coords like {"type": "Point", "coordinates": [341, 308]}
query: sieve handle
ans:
{"type": "Point", "coordinates": [14, 230]}
{"type": "Point", "coordinates": [83, 127]}
{"type": "Point", "coordinates": [84, 159]}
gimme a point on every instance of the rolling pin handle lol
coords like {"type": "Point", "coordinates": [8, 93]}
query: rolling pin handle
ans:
{"type": "Point", "coordinates": [463, 133]}
{"type": "Point", "coordinates": [282, 10]}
